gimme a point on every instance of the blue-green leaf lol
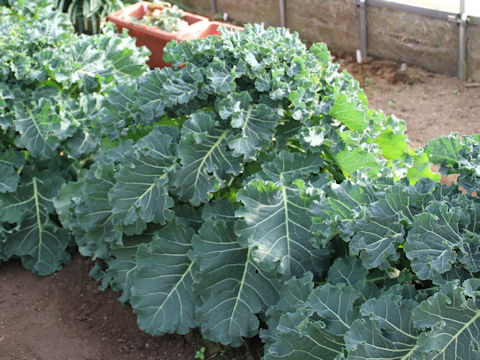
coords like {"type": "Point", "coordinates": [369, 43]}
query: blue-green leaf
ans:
{"type": "Point", "coordinates": [235, 289]}
{"type": "Point", "coordinates": [162, 295]}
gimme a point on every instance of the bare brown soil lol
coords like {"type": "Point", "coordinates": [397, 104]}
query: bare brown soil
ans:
{"type": "Point", "coordinates": [431, 104]}
{"type": "Point", "coordinates": [65, 316]}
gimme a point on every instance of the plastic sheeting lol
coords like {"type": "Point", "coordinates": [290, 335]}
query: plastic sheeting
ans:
{"type": "Point", "coordinates": [473, 51]}
{"type": "Point", "coordinates": [266, 11]}
{"type": "Point", "coordinates": [334, 22]}
{"type": "Point", "coordinates": [414, 39]}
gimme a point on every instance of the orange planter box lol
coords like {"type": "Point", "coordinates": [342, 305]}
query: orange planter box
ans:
{"type": "Point", "coordinates": [156, 39]}
{"type": "Point", "coordinates": [212, 28]}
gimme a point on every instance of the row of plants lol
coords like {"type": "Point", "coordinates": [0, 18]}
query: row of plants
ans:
{"type": "Point", "coordinates": [52, 87]}
{"type": "Point", "coordinates": [246, 190]}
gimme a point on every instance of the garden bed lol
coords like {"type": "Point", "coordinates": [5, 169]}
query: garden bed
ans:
{"type": "Point", "coordinates": [65, 316]}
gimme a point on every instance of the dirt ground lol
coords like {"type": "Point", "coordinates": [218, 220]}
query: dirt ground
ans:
{"type": "Point", "coordinates": [431, 104]}
{"type": "Point", "coordinates": [66, 317]}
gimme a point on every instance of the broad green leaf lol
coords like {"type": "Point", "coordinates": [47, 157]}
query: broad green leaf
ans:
{"type": "Point", "coordinates": [220, 210]}
{"type": "Point", "coordinates": [9, 178]}
{"type": "Point", "coordinates": [293, 295]}
{"type": "Point", "coordinates": [257, 125]}
{"type": "Point", "coordinates": [37, 240]}
{"type": "Point", "coordinates": [288, 167]}
{"type": "Point", "coordinates": [471, 287]}
{"type": "Point", "coordinates": [303, 339]}
{"type": "Point", "coordinates": [148, 95]}
{"type": "Point", "coordinates": [445, 150]}
{"type": "Point", "coordinates": [183, 86]}
{"type": "Point", "coordinates": [141, 189]}
{"type": "Point", "coordinates": [206, 161]}
{"type": "Point", "coordinates": [221, 77]}
{"type": "Point", "coordinates": [6, 96]}
{"type": "Point", "coordinates": [233, 287]}
{"type": "Point", "coordinates": [94, 211]}
{"type": "Point", "coordinates": [334, 213]}
{"type": "Point", "coordinates": [357, 159]}
{"type": "Point", "coordinates": [122, 265]}
{"type": "Point", "coordinates": [87, 70]}
{"type": "Point", "coordinates": [435, 234]}
{"type": "Point", "coordinates": [349, 113]}
{"type": "Point", "coordinates": [189, 216]}
{"type": "Point", "coordinates": [394, 145]}
{"type": "Point", "coordinates": [376, 241]}
{"type": "Point", "coordinates": [379, 233]}
{"type": "Point", "coordinates": [78, 115]}
{"type": "Point", "coordinates": [452, 321]}
{"type": "Point", "coordinates": [404, 202]}
{"type": "Point", "coordinates": [457, 273]}
{"type": "Point", "coordinates": [456, 155]}
{"type": "Point", "coordinates": [119, 109]}
{"type": "Point", "coordinates": [235, 107]}
{"type": "Point", "coordinates": [350, 271]}
{"type": "Point", "coordinates": [36, 125]}
{"type": "Point", "coordinates": [3, 256]}
{"type": "Point", "coordinates": [421, 169]}
{"type": "Point", "coordinates": [81, 144]}
{"type": "Point", "coordinates": [124, 59]}
{"type": "Point", "coordinates": [470, 253]}
{"type": "Point", "coordinates": [95, 217]}
{"type": "Point", "coordinates": [275, 224]}
{"type": "Point", "coordinates": [385, 332]}
{"type": "Point", "coordinates": [167, 88]}
{"type": "Point", "coordinates": [335, 305]}
{"type": "Point", "coordinates": [106, 58]}
{"type": "Point", "coordinates": [65, 201]}
{"type": "Point", "coordinates": [162, 295]}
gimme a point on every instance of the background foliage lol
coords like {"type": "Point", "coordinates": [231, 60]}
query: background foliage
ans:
{"type": "Point", "coordinates": [87, 15]}
{"type": "Point", "coordinates": [51, 84]}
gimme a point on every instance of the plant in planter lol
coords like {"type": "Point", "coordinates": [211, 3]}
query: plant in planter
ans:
{"type": "Point", "coordinates": [155, 24]}
{"type": "Point", "coordinates": [168, 18]}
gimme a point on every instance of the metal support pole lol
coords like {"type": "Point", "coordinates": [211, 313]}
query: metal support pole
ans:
{"type": "Point", "coordinates": [363, 27]}
{"type": "Point", "coordinates": [283, 16]}
{"type": "Point", "coordinates": [387, 4]}
{"type": "Point", "coordinates": [462, 50]}
{"type": "Point", "coordinates": [213, 6]}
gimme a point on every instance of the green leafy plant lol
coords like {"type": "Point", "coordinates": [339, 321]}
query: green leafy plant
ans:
{"type": "Point", "coordinates": [200, 354]}
{"type": "Point", "coordinates": [51, 84]}
{"type": "Point", "coordinates": [202, 212]}
{"type": "Point", "coordinates": [167, 17]}
{"type": "Point", "coordinates": [460, 156]}
{"type": "Point", "coordinates": [86, 15]}
{"type": "Point", "coordinates": [246, 190]}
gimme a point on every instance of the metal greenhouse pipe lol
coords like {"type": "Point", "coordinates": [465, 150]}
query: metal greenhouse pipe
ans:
{"type": "Point", "coordinates": [462, 73]}
{"type": "Point", "coordinates": [438, 14]}
{"type": "Point", "coordinates": [213, 6]}
{"type": "Point", "coordinates": [363, 28]}
{"type": "Point", "coordinates": [283, 16]}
